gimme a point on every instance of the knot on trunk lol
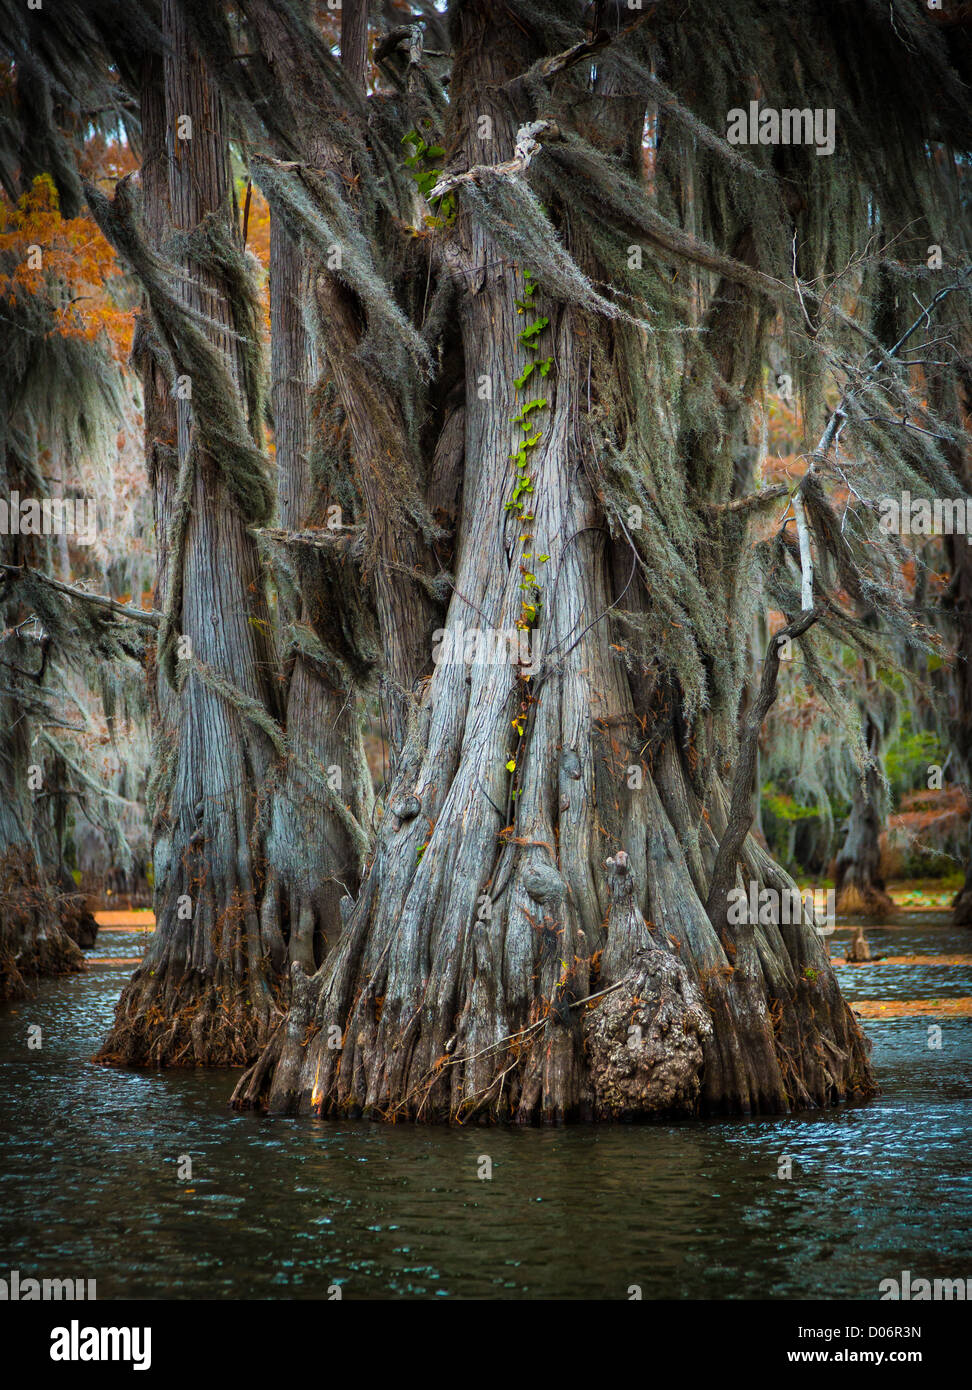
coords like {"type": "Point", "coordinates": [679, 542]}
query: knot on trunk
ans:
{"type": "Point", "coordinates": [620, 878]}
{"type": "Point", "coordinates": [644, 1041]}
{"type": "Point", "coordinates": [627, 931]}
{"type": "Point", "coordinates": [570, 764]}
{"type": "Point", "coordinates": [406, 807]}
{"type": "Point", "coordinates": [543, 882]}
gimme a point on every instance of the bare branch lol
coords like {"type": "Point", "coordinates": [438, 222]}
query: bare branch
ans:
{"type": "Point", "coordinates": [528, 141]}
{"type": "Point", "coordinates": [148, 617]}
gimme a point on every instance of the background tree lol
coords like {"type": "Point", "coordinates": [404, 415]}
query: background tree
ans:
{"type": "Point", "coordinates": [63, 400]}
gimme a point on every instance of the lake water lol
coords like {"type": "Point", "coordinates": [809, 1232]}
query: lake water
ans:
{"type": "Point", "coordinates": [283, 1208]}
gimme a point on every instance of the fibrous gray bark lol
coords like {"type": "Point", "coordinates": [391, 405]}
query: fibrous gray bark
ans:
{"type": "Point", "coordinates": [483, 923]}
{"type": "Point", "coordinates": [206, 991]}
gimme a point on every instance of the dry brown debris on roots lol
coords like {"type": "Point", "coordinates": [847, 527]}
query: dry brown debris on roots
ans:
{"type": "Point", "coordinates": [212, 1028]}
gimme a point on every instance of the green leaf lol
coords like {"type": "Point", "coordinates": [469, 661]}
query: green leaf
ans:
{"type": "Point", "coordinates": [521, 418]}
{"type": "Point", "coordinates": [533, 331]}
{"type": "Point", "coordinates": [426, 180]}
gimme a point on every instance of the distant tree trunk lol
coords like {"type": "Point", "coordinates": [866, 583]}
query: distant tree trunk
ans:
{"type": "Point", "coordinates": [206, 992]}
{"type": "Point", "coordinates": [959, 608]}
{"type": "Point", "coordinates": [32, 940]}
{"type": "Point", "coordinates": [858, 951]}
{"type": "Point", "coordinates": [50, 830]}
{"type": "Point", "coordinates": [857, 877]}
{"type": "Point", "coordinates": [491, 912]}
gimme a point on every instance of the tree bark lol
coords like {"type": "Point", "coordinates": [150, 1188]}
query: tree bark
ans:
{"type": "Point", "coordinates": [484, 928]}
{"type": "Point", "coordinates": [312, 861]}
{"type": "Point", "coordinates": [206, 992]}
{"type": "Point", "coordinates": [354, 40]}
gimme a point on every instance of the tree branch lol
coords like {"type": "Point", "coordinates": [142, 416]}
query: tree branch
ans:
{"type": "Point", "coordinates": [148, 617]}
{"type": "Point", "coordinates": [528, 141]}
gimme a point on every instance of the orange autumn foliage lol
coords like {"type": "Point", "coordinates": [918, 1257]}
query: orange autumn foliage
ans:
{"type": "Point", "coordinates": [257, 233]}
{"type": "Point", "coordinates": [66, 260]}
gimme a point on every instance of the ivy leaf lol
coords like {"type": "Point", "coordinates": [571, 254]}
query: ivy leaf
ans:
{"type": "Point", "coordinates": [537, 404]}
{"type": "Point", "coordinates": [426, 180]}
{"type": "Point", "coordinates": [533, 331]}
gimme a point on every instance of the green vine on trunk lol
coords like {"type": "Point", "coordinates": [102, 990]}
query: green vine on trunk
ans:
{"type": "Point", "coordinates": [423, 166]}
{"type": "Point", "coordinates": [528, 418]}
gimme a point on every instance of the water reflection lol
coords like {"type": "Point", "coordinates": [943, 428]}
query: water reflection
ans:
{"type": "Point", "coordinates": [89, 1182]}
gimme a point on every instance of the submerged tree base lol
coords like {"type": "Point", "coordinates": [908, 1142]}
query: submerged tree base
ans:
{"type": "Point", "coordinates": [32, 941]}
{"type": "Point", "coordinates": [189, 1022]}
{"type": "Point", "coordinates": [864, 900]}
{"type": "Point", "coordinates": [962, 904]}
{"type": "Point", "coordinates": [624, 1020]}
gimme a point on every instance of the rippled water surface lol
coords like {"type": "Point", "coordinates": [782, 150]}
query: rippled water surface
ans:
{"type": "Point", "coordinates": [285, 1208]}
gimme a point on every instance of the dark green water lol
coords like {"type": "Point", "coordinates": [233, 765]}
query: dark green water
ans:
{"type": "Point", "coordinates": [285, 1208]}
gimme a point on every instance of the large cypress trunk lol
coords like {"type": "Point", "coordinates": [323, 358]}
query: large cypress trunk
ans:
{"type": "Point", "coordinates": [206, 991]}
{"type": "Point", "coordinates": [533, 909]}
